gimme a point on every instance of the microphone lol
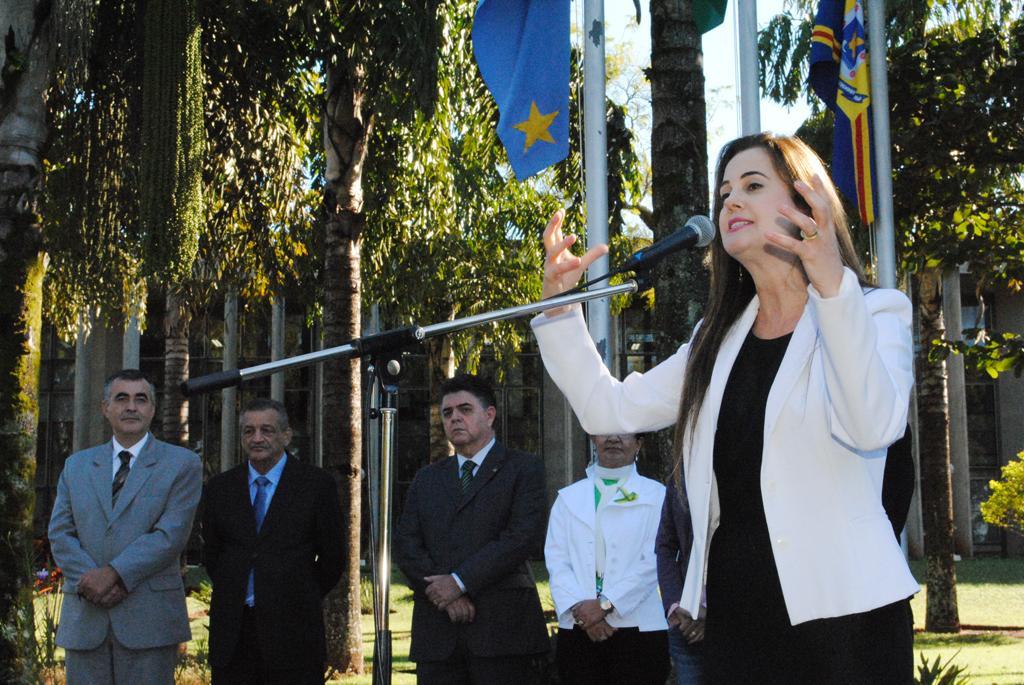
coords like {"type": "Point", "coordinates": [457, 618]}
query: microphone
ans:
{"type": "Point", "coordinates": [699, 231]}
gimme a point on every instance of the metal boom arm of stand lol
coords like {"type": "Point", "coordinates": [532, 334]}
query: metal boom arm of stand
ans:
{"type": "Point", "coordinates": [394, 339]}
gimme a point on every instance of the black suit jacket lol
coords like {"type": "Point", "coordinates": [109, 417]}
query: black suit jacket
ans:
{"type": "Point", "coordinates": [485, 536]}
{"type": "Point", "coordinates": [296, 557]}
{"type": "Point", "coordinates": [673, 543]}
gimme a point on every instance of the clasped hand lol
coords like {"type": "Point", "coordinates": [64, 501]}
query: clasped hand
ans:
{"type": "Point", "coordinates": [589, 616]}
{"type": "Point", "coordinates": [445, 594]}
{"type": "Point", "coordinates": [102, 586]}
{"type": "Point", "coordinates": [692, 629]}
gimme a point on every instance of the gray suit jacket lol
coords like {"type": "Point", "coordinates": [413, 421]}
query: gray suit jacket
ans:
{"type": "Point", "coordinates": [142, 539]}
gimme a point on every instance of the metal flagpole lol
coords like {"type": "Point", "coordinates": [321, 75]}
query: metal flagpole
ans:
{"type": "Point", "coordinates": [884, 228]}
{"type": "Point", "coordinates": [749, 91]}
{"type": "Point", "coordinates": [885, 240]}
{"type": "Point", "coordinates": [595, 154]}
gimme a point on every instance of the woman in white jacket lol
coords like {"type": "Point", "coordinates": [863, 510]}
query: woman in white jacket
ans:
{"type": "Point", "coordinates": [784, 401]}
{"type": "Point", "coordinates": [602, 570]}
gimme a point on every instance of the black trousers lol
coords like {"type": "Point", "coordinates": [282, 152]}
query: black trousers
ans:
{"type": "Point", "coordinates": [247, 666]}
{"type": "Point", "coordinates": [628, 656]}
{"type": "Point", "coordinates": [465, 668]}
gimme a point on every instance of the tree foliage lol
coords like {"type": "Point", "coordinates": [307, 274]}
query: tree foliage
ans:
{"type": "Point", "coordinates": [260, 92]}
{"type": "Point", "coordinates": [263, 95]}
{"type": "Point", "coordinates": [1005, 506]}
{"type": "Point", "coordinates": [457, 234]}
{"type": "Point", "coordinates": [956, 91]}
{"type": "Point", "coordinates": [91, 206]}
{"type": "Point", "coordinates": [991, 353]}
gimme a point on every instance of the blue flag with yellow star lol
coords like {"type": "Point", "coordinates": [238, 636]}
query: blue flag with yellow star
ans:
{"type": "Point", "coordinates": [522, 50]}
{"type": "Point", "coordinates": [839, 76]}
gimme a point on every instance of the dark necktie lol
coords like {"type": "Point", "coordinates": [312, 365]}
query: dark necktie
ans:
{"type": "Point", "coordinates": [466, 474]}
{"type": "Point", "coordinates": [121, 476]}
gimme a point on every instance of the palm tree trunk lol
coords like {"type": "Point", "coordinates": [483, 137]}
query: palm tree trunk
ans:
{"type": "Point", "coordinates": [23, 132]}
{"type": "Point", "coordinates": [346, 134]}
{"type": "Point", "coordinates": [941, 615]}
{"type": "Point", "coordinates": [679, 178]}
{"type": "Point", "coordinates": [175, 404]}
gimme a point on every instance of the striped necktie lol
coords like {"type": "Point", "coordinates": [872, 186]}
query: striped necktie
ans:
{"type": "Point", "coordinates": [466, 474]}
{"type": "Point", "coordinates": [121, 476]}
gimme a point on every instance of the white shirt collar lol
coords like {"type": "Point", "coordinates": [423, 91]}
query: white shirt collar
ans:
{"type": "Point", "coordinates": [134, 449]}
{"type": "Point", "coordinates": [479, 457]}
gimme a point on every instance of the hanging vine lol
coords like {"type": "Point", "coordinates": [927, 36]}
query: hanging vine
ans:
{"type": "Point", "coordinates": [171, 183]}
{"type": "Point", "coordinates": [91, 205]}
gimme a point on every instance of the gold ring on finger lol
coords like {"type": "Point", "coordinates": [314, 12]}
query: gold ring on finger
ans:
{"type": "Point", "coordinates": [805, 236]}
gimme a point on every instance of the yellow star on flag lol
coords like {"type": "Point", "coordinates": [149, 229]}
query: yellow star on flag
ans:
{"type": "Point", "coordinates": [536, 127]}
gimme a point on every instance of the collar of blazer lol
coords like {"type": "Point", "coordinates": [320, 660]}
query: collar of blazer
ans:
{"type": "Point", "coordinates": [493, 462]}
{"type": "Point", "coordinates": [102, 480]}
{"type": "Point", "coordinates": [798, 354]}
{"type": "Point", "coordinates": [579, 496]}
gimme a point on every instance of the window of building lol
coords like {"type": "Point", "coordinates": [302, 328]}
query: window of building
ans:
{"type": "Point", "coordinates": [56, 420]}
{"type": "Point", "coordinates": [981, 394]}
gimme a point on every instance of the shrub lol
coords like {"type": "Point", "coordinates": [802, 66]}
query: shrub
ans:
{"type": "Point", "coordinates": [1005, 506]}
{"type": "Point", "coordinates": [939, 673]}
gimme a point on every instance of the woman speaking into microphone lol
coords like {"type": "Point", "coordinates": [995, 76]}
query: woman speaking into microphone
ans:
{"type": "Point", "coordinates": [784, 401]}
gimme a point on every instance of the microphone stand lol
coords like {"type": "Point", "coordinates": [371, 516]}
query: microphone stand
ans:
{"type": "Point", "coordinates": [383, 375]}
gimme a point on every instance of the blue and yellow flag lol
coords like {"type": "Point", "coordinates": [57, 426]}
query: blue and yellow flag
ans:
{"type": "Point", "coordinates": [839, 76]}
{"type": "Point", "coordinates": [522, 49]}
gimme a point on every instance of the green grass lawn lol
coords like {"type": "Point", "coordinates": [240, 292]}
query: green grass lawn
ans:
{"type": "Point", "coordinates": [990, 592]}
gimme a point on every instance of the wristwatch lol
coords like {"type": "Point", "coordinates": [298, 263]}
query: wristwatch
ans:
{"type": "Point", "coordinates": [606, 604]}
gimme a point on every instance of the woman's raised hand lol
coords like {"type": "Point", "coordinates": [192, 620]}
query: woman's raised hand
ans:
{"type": "Point", "coordinates": [819, 249]}
{"type": "Point", "coordinates": [562, 269]}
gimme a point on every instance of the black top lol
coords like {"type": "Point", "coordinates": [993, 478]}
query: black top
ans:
{"type": "Point", "coordinates": [739, 439]}
{"type": "Point", "coordinates": [741, 568]}
{"type": "Point", "coordinates": [748, 637]}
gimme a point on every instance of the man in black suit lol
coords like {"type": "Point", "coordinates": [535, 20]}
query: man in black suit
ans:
{"type": "Point", "coordinates": [272, 546]}
{"type": "Point", "coordinates": [469, 525]}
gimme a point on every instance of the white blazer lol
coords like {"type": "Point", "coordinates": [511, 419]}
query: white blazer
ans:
{"type": "Point", "coordinates": [630, 572]}
{"type": "Point", "coordinates": [840, 398]}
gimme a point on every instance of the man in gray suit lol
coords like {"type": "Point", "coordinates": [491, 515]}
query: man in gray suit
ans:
{"type": "Point", "coordinates": [120, 522]}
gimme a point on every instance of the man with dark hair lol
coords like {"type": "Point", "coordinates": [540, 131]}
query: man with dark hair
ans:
{"type": "Point", "coordinates": [120, 522]}
{"type": "Point", "coordinates": [469, 525]}
{"type": "Point", "coordinates": [272, 546]}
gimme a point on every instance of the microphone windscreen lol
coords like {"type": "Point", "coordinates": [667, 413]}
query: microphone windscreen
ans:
{"type": "Point", "coordinates": [704, 227]}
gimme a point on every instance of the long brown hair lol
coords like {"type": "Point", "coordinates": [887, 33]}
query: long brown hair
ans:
{"type": "Point", "coordinates": [731, 286]}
